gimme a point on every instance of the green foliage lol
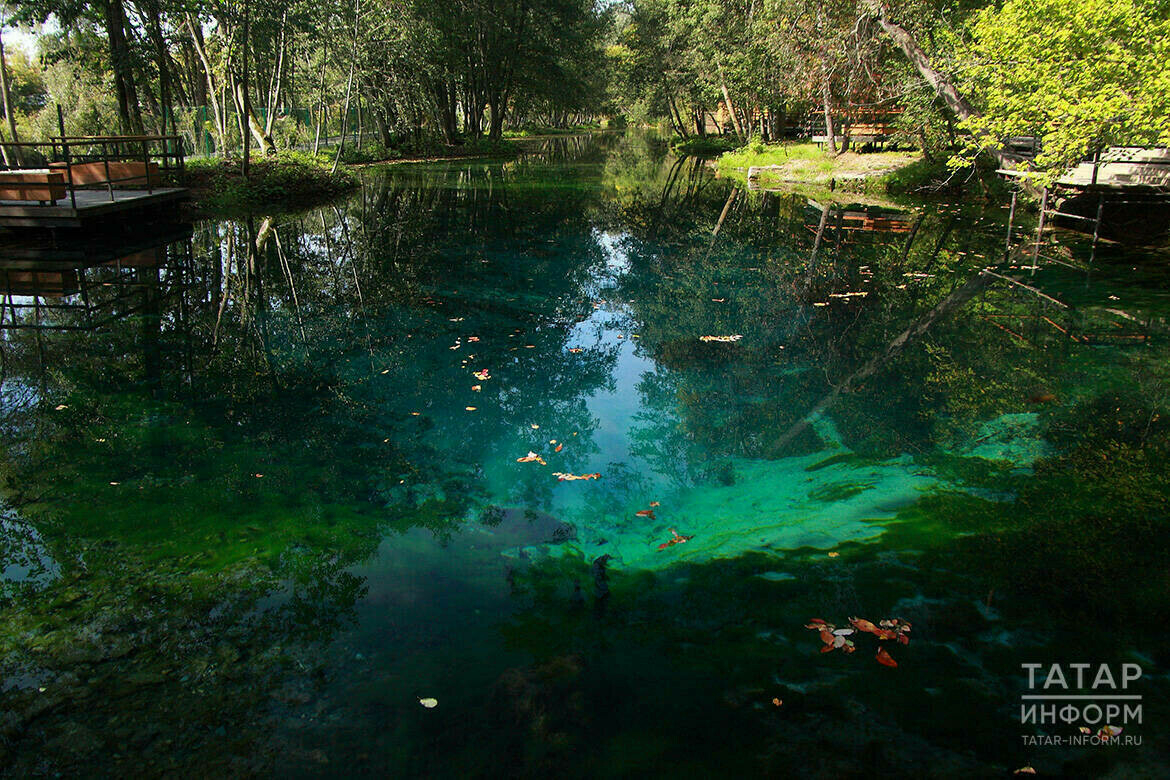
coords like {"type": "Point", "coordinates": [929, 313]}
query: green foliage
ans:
{"type": "Point", "coordinates": [291, 180]}
{"type": "Point", "coordinates": [1082, 74]}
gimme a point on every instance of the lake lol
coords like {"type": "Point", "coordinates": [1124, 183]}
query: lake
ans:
{"type": "Point", "coordinates": [580, 464]}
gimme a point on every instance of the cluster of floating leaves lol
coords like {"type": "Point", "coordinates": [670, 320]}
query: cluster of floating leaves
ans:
{"type": "Point", "coordinates": [833, 638]}
{"type": "Point", "coordinates": [721, 339]}
{"type": "Point", "coordinates": [1105, 732]}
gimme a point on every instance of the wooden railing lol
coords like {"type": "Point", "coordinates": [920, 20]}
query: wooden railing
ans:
{"type": "Point", "coordinates": [95, 161]}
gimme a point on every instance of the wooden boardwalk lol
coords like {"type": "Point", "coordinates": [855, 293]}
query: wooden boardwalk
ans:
{"type": "Point", "coordinates": [92, 206]}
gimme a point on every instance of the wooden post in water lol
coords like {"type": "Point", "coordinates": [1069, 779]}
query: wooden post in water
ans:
{"type": "Point", "coordinates": [1040, 229]}
{"type": "Point", "coordinates": [1097, 226]}
{"type": "Point", "coordinates": [65, 157]}
{"type": "Point", "coordinates": [1007, 249]}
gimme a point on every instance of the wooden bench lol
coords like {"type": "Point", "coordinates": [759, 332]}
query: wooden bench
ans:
{"type": "Point", "coordinates": [120, 174]}
{"type": "Point", "coordinates": [39, 184]}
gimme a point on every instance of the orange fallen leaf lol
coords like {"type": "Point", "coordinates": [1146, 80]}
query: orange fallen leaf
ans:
{"type": "Point", "coordinates": [834, 554]}
{"type": "Point", "coordinates": [531, 457]}
{"type": "Point", "coordinates": [476, 388]}
{"type": "Point", "coordinates": [472, 339]}
{"type": "Point", "coordinates": [559, 448]}
{"type": "Point", "coordinates": [861, 624]}
{"type": "Point", "coordinates": [645, 513]}
{"type": "Point", "coordinates": [722, 339]}
{"type": "Point", "coordinates": [676, 538]}
{"type": "Point", "coordinates": [481, 374]}
{"type": "Point", "coordinates": [576, 350]}
{"type": "Point", "coordinates": [885, 659]}
{"type": "Point", "coordinates": [469, 408]}
{"type": "Point", "coordinates": [572, 477]}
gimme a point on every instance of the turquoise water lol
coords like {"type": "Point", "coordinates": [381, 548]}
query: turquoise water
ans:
{"type": "Point", "coordinates": [272, 506]}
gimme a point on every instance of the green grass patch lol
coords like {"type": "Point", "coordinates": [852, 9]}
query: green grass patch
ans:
{"type": "Point", "coordinates": [289, 180]}
{"type": "Point", "coordinates": [806, 163]}
{"type": "Point", "coordinates": [531, 130]}
{"type": "Point", "coordinates": [709, 146]}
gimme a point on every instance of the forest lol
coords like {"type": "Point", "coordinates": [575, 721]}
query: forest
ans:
{"type": "Point", "coordinates": [952, 78]}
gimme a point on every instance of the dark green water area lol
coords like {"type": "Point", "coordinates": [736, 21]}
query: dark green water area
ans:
{"type": "Point", "coordinates": [303, 481]}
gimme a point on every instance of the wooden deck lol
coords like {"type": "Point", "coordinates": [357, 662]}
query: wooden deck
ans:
{"type": "Point", "coordinates": [92, 206]}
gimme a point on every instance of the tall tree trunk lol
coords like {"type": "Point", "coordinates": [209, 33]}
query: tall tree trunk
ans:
{"type": "Point", "coordinates": [219, 119]}
{"type": "Point", "coordinates": [348, 90]}
{"type": "Point", "coordinates": [276, 81]}
{"type": "Point", "coordinates": [827, 104]}
{"type": "Point", "coordinates": [6, 96]}
{"type": "Point", "coordinates": [942, 84]}
{"type": "Point", "coordinates": [243, 102]}
{"type": "Point", "coordinates": [150, 10]}
{"type": "Point", "coordinates": [127, 93]}
{"type": "Point", "coordinates": [730, 108]}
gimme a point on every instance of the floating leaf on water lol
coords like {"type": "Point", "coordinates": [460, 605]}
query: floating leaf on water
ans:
{"type": "Point", "coordinates": [531, 457]}
{"type": "Point", "coordinates": [721, 339]}
{"type": "Point", "coordinates": [472, 339]}
{"type": "Point", "coordinates": [653, 503]}
{"type": "Point", "coordinates": [885, 659]}
{"type": "Point", "coordinates": [258, 476]}
{"type": "Point", "coordinates": [535, 427]}
{"type": "Point", "coordinates": [777, 702]}
{"type": "Point", "coordinates": [843, 632]}
{"type": "Point", "coordinates": [385, 371]}
{"type": "Point", "coordinates": [469, 408]}
{"type": "Point", "coordinates": [476, 388]}
{"type": "Point", "coordinates": [645, 513]}
{"type": "Point", "coordinates": [572, 477]}
{"type": "Point", "coordinates": [415, 414]}
{"type": "Point", "coordinates": [559, 448]}
{"type": "Point", "coordinates": [1024, 770]}
{"type": "Point", "coordinates": [1108, 732]}
{"type": "Point", "coordinates": [834, 554]}
{"type": "Point", "coordinates": [575, 350]}
{"type": "Point", "coordinates": [719, 300]}
{"type": "Point", "coordinates": [481, 374]}
{"type": "Point", "coordinates": [115, 483]}
{"type": "Point", "coordinates": [676, 538]}
{"type": "Point", "coordinates": [1085, 730]}
{"type": "Point", "coordinates": [60, 407]}
{"type": "Point", "coordinates": [861, 624]}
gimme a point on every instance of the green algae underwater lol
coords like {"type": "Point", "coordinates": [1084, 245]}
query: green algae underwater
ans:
{"type": "Point", "coordinates": [252, 528]}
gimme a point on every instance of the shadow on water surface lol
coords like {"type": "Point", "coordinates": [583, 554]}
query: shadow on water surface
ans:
{"type": "Point", "coordinates": [246, 533]}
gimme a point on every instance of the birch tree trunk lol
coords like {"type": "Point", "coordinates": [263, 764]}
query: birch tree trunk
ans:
{"type": "Point", "coordinates": [6, 96]}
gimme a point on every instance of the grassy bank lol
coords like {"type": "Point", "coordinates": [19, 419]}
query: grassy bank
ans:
{"type": "Point", "coordinates": [808, 166]}
{"type": "Point", "coordinates": [295, 179]}
{"type": "Point", "coordinates": [287, 181]}
{"type": "Point", "coordinates": [534, 131]}
{"type": "Point", "coordinates": [707, 146]}
{"type": "Point", "coordinates": [371, 153]}
{"type": "Point", "coordinates": [805, 163]}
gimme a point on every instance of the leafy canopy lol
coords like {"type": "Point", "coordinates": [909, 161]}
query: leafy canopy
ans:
{"type": "Point", "coordinates": [1080, 73]}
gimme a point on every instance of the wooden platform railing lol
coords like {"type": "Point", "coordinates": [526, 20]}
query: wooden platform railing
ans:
{"type": "Point", "coordinates": [122, 161]}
